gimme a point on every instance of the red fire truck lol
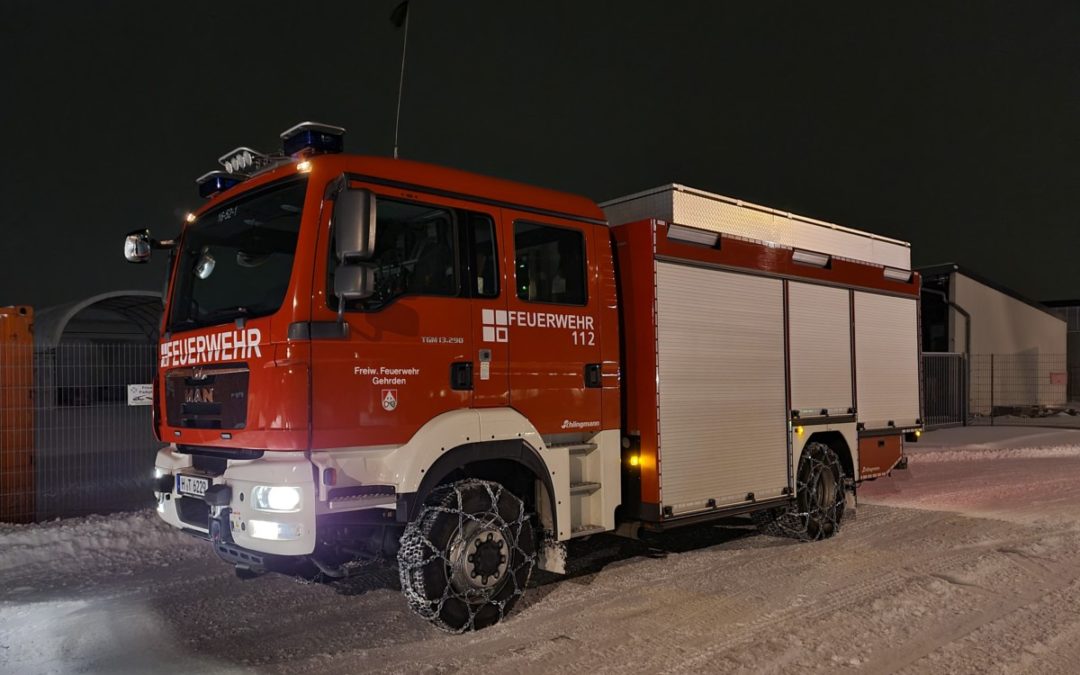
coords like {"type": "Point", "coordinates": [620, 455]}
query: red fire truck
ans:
{"type": "Point", "coordinates": [367, 358]}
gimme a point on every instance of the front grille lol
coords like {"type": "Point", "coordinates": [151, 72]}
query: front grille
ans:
{"type": "Point", "coordinates": [227, 453]}
{"type": "Point", "coordinates": [194, 512]}
{"type": "Point", "coordinates": [213, 460]}
{"type": "Point", "coordinates": [210, 397]}
{"type": "Point", "coordinates": [212, 465]}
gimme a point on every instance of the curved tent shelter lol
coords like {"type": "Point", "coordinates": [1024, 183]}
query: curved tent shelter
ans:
{"type": "Point", "coordinates": [116, 316]}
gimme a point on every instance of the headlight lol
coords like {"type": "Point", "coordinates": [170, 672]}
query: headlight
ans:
{"type": "Point", "coordinates": [280, 498]}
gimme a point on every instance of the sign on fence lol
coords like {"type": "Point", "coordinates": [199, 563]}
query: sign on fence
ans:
{"type": "Point", "coordinates": [140, 394]}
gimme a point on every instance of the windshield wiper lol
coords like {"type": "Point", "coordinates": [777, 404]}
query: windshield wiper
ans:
{"type": "Point", "coordinates": [183, 324]}
{"type": "Point", "coordinates": [223, 314]}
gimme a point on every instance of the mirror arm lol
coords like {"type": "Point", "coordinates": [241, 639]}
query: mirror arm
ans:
{"type": "Point", "coordinates": [334, 187]}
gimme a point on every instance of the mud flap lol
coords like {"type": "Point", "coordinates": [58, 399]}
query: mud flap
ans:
{"type": "Point", "coordinates": [552, 556]}
{"type": "Point", "coordinates": [851, 503]}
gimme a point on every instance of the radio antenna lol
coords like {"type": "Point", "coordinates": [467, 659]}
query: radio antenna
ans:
{"type": "Point", "coordinates": [400, 16]}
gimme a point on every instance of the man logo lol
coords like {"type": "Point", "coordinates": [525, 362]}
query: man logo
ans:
{"type": "Point", "coordinates": [199, 395]}
{"type": "Point", "coordinates": [496, 325]}
{"type": "Point", "coordinates": [389, 399]}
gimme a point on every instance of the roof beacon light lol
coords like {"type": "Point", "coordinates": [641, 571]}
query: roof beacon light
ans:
{"type": "Point", "coordinates": [244, 161]}
{"type": "Point", "coordinates": [214, 182]}
{"type": "Point", "coordinates": [312, 138]}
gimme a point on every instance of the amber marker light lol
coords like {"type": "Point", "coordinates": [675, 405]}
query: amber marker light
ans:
{"type": "Point", "coordinates": [799, 430]}
{"type": "Point", "coordinates": [190, 217]}
{"type": "Point", "coordinates": [304, 166]}
{"type": "Point", "coordinates": [634, 460]}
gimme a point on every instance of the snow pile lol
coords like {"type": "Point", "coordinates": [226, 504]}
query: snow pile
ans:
{"type": "Point", "coordinates": [93, 540]}
{"type": "Point", "coordinates": [986, 452]}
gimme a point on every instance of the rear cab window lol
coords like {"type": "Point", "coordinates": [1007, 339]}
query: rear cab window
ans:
{"type": "Point", "coordinates": [550, 265]}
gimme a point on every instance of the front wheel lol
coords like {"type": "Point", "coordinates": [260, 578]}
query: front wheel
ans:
{"type": "Point", "coordinates": [468, 556]}
{"type": "Point", "coordinates": [819, 498]}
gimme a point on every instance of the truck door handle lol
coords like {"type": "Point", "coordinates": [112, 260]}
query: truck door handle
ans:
{"type": "Point", "coordinates": [592, 375]}
{"type": "Point", "coordinates": [461, 376]}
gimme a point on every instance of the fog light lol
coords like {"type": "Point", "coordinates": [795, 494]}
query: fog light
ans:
{"type": "Point", "coordinates": [265, 529]}
{"type": "Point", "coordinates": [280, 498]}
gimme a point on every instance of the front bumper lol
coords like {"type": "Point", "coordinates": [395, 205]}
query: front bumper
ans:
{"type": "Point", "coordinates": [231, 518]}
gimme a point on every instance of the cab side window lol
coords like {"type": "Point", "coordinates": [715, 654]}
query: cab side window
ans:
{"type": "Point", "coordinates": [550, 264]}
{"type": "Point", "coordinates": [415, 253]}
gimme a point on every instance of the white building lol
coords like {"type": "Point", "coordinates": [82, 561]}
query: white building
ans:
{"type": "Point", "coordinates": [1016, 347]}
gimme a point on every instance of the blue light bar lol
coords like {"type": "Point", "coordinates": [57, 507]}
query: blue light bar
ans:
{"type": "Point", "coordinates": [312, 138]}
{"type": "Point", "coordinates": [216, 181]}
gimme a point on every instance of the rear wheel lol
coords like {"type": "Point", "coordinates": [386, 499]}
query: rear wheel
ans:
{"type": "Point", "coordinates": [819, 498]}
{"type": "Point", "coordinates": [468, 556]}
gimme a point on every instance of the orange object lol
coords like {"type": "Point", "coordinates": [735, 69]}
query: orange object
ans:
{"type": "Point", "coordinates": [16, 415]}
{"type": "Point", "coordinates": [879, 454]}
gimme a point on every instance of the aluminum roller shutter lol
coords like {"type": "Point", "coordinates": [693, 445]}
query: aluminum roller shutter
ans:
{"type": "Point", "coordinates": [886, 360]}
{"type": "Point", "coordinates": [722, 398]}
{"type": "Point", "coordinates": [819, 334]}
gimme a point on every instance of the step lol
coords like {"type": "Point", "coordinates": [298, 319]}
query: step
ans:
{"type": "Point", "coordinates": [586, 530]}
{"type": "Point", "coordinates": [356, 502]}
{"type": "Point", "coordinates": [584, 488]}
{"type": "Point", "coordinates": [574, 448]}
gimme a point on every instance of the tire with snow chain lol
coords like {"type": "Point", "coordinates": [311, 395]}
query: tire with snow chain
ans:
{"type": "Point", "coordinates": [818, 508]}
{"type": "Point", "coordinates": [468, 556]}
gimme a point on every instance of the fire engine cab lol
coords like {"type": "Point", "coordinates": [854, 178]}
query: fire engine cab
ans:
{"type": "Point", "coordinates": [366, 358]}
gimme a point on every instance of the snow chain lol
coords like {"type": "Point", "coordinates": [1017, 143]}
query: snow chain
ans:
{"type": "Point", "coordinates": [815, 517]}
{"type": "Point", "coordinates": [418, 551]}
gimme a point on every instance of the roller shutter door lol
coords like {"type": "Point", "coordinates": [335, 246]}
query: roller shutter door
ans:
{"type": "Point", "coordinates": [722, 398]}
{"type": "Point", "coordinates": [819, 320]}
{"type": "Point", "coordinates": [886, 360]}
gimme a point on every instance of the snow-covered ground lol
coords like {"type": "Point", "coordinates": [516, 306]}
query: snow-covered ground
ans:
{"type": "Point", "coordinates": [969, 562]}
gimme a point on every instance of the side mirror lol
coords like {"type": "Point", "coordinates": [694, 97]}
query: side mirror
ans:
{"type": "Point", "coordinates": [354, 224]}
{"type": "Point", "coordinates": [353, 282]}
{"type": "Point", "coordinates": [137, 246]}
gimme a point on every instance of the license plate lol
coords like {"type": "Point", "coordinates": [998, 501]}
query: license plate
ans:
{"type": "Point", "coordinates": [192, 485]}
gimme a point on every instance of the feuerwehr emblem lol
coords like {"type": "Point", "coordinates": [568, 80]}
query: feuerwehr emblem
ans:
{"type": "Point", "coordinates": [389, 399]}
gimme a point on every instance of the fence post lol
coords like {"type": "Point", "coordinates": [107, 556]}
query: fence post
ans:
{"type": "Point", "coordinates": [965, 383]}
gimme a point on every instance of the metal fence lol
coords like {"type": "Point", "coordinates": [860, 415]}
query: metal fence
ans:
{"type": "Point", "coordinates": [75, 429]}
{"type": "Point", "coordinates": [999, 389]}
{"type": "Point", "coordinates": [945, 390]}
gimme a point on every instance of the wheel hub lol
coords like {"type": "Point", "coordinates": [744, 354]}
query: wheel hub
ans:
{"type": "Point", "coordinates": [479, 560]}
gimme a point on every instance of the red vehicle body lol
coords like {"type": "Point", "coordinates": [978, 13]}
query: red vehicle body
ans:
{"type": "Point", "coordinates": [492, 387]}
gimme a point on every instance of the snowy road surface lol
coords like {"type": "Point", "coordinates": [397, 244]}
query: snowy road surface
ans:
{"type": "Point", "coordinates": [967, 563]}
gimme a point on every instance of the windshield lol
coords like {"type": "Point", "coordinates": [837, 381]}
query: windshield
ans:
{"type": "Point", "coordinates": [236, 260]}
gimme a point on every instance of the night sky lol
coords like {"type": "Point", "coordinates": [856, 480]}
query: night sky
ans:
{"type": "Point", "coordinates": [951, 125]}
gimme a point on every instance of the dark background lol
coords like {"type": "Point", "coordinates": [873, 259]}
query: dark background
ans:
{"type": "Point", "coordinates": [950, 125]}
